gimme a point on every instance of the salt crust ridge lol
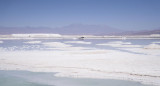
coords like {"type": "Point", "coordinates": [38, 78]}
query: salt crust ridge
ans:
{"type": "Point", "coordinates": [78, 42]}
{"type": "Point", "coordinates": [119, 44]}
{"type": "Point", "coordinates": [32, 42]}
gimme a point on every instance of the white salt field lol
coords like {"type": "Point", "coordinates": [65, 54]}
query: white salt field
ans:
{"type": "Point", "coordinates": [89, 62]}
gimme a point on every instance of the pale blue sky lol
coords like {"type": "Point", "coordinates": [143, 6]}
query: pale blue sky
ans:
{"type": "Point", "coordinates": [120, 14]}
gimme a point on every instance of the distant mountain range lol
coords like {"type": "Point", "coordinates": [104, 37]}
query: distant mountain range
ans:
{"type": "Point", "coordinates": [143, 32]}
{"type": "Point", "coordinates": [76, 29]}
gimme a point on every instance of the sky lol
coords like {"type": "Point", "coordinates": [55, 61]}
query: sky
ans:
{"type": "Point", "coordinates": [120, 14]}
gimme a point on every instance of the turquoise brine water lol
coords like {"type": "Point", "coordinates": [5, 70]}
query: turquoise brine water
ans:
{"type": "Point", "coordinates": [25, 78]}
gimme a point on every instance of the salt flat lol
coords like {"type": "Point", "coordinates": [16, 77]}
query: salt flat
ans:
{"type": "Point", "coordinates": [83, 62]}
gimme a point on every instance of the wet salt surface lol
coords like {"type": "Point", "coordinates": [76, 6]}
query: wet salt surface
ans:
{"type": "Point", "coordinates": [92, 43]}
{"type": "Point", "coordinates": [25, 78]}
{"type": "Point", "coordinates": [88, 44]}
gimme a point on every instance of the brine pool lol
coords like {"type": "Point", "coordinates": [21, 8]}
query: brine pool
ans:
{"type": "Point", "coordinates": [25, 78]}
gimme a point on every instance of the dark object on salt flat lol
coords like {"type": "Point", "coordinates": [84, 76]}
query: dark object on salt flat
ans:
{"type": "Point", "coordinates": [81, 38]}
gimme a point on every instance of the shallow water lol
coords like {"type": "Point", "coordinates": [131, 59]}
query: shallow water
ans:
{"type": "Point", "coordinates": [25, 78]}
